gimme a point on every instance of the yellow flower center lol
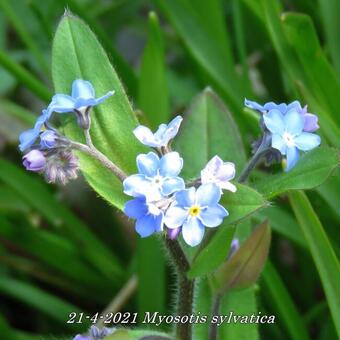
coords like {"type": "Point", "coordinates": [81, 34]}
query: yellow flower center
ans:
{"type": "Point", "coordinates": [194, 210]}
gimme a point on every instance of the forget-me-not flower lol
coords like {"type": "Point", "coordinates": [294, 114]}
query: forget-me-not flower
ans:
{"type": "Point", "coordinates": [34, 161]}
{"type": "Point", "coordinates": [81, 99]}
{"type": "Point", "coordinates": [219, 172]}
{"type": "Point", "coordinates": [149, 218]}
{"type": "Point", "coordinates": [157, 178]}
{"type": "Point", "coordinates": [194, 210]}
{"type": "Point", "coordinates": [161, 137]}
{"type": "Point", "coordinates": [28, 137]}
{"type": "Point", "coordinates": [288, 136]}
{"type": "Point", "coordinates": [310, 120]}
{"type": "Point", "coordinates": [48, 139]}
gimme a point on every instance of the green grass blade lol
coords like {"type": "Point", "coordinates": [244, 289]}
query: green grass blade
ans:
{"type": "Point", "coordinates": [322, 252]}
{"type": "Point", "coordinates": [279, 296]}
{"type": "Point", "coordinates": [153, 98]}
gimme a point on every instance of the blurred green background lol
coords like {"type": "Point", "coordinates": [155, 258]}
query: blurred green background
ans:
{"type": "Point", "coordinates": [63, 249]}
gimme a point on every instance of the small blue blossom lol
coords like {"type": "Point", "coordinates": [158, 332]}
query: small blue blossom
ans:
{"type": "Point", "coordinates": [28, 137]}
{"type": "Point", "coordinates": [219, 172]}
{"type": "Point", "coordinates": [82, 97]}
{"type": "Point", "coordinates": [288, 136]}
{"type": "Point", "coordinates": [310, 120]}
{"type": "Point", "coordinates": [48, 139]}
{"type": "Point", "coordinates": [34, 161]}
{"type": "Point", "coordinates": [194, 210]}
{"type": "Point", "coordinates": [161, 137]}
{"type": "Point", "coordinates": [157, 177]}
{"type": "Point", "coordinates": [81, 337]}
{"type": "Point", "coordinates": [149, 217]}
{"type": "Point", "coordinates": [235, 245]}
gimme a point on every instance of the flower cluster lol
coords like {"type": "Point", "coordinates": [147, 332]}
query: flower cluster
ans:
{"type": "Point", "coordinates": [163, 200]}
{"type": "Point", "coordinates": [95, 333]}
{"type": "Point", "coordinates": [291, 128]}
{"type": "Point", "coordinates": [47, 151]}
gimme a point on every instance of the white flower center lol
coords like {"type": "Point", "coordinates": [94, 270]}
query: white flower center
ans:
{"type": "Point", "coordinates": [153, 210]}
{"type": "Point", "coordinates": [158, 181]}
{"type": "Point", "coordinates": [288, 139]}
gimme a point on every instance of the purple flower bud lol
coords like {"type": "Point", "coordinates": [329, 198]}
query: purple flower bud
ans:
{"type": "Point", "coordinates": [34, 161]}
{"type": "Point", "coordinates": [81, 337]}
{"type": "Point", "coordinates": [48, 139]}
{"type": "Point", "coordinates": [99, 334]}
{"type": "Point", "coordinates": [235, 244]}
{"type": "Point", "coordinates": [173, 233]}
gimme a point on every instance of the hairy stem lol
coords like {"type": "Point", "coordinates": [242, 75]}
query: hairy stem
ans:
{"type": "Point", "coordinates": [185, 286]}
{"type": "Point", "coordinates": [215, 311]}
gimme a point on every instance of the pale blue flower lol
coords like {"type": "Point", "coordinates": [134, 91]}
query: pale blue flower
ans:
{"type": "Point", "coordinates": [149, 217]}
{"type": "Point", "coordinates": [28, 137]}
{"type": "Point", "coordinates": [81, 337]}
{"type": "Point", "coordinates": [220, 173]}
{"type": "Point", "coordinates": [310, 120]}
{"type": "Point", "coordinates": [157, 178]}
{"type": "Point", "coordinates": [48, 139]}
{"type": "Point", "coordinates": [161, 137]}
{"type": "Point", "coordinates": [82, 97]}
{"type": "Point", "coordinates": [288, 136]}
{"type": "Point", "coordinates": [194, 210]}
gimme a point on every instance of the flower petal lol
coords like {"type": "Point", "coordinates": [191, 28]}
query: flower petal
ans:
{"type": "Point", "coordinates": [186, 198]}
{"type": "Point", "coordinates": [307, 141]}
{"type": "Point", "coordinates": [253, 105]}
{"type": "Point", "coordinates": [171, 164]}
{"type": "Point", "coordinates": [172, 129]}
{"type": "Point", "coordinates": [193, 231]}
{"type": "Point", "coordinates": [213, 216]}
{"type": "Point", "coordinates": [82, 89]}
{"type": "Point", "coordinates": [278, 143]}
{"type": "Point", "coordinates": [292, 157]}
{"type": "Point", "coordinates": [294, 122]}
{"type": "Point", "coordinates": [226, 172]}
{"type": "Point", "coordinates": [136, 208]}
{"type": "Point", "coordinates": [274, 121]}
{"type": "Point", "coordinates": [148, 164]}
{"type": "Point", "coordinates": [136, 185]}
{"type": "Point", "coordinates": [145, 136]}
{"type": "Point", "coordinates": [149, 224]}
{"type": "Point", "coordinates": [175, 217]}
{"type": "Point", "coordinates": [27, 138]}
{"type": "Point", "coordinates": [62, 103]}
{"type": "Point", "coordinates": [311, 122]}
{"type": "Point", "coordinates": [171, 185]}
{"type": "Point", "coordinates": [208, 195]}
{"type": "Point", "coordinates": [294, 105]}
{"type": "Point", "coordinates": [104, 97]}
{"type": "Point", "coordinates": [271, 106]}
{"type": "Point", "coordinates": [227, 186]}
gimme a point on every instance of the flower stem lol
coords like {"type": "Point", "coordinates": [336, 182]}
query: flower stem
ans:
{"type": "Point", "coordinates": [260, 152]}
{"type": "Point", "coordinates": [215, 311]}
{"type": "Point", "coordinates": [185, 286]}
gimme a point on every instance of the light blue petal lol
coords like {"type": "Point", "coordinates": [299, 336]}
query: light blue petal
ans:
{"type": "Point", "coordinates": [171, 185]}
{"type": "Point", "coordinates": [271, 106]}
{"type": "Point", "coordinates": [62, 103]}
{"type": "Point", "coordinates": [307, 141]}
{"type": "Point", "coordinates": [175, 217]}
{"type": "Point", "coordinates": [208, 195]}
{"type": "Point", "coordinates": [84, 103]}
{"type": "Point", "coordinates": [253, 105]}
{"type": "Point", "coordinates": [146, 137]}
{"type": "Point", "coordinates": [136, 208]}
{"type": "Point", "coordinates": [278, 143]}
{"type": "Point", "coordinates": [103, 98]}
{"type": "Point", "coordinates": [274, 121]}
{"type": "Point", "coordinates": [311, 122]}
{"type": "Point", "coordinates": [294, 105]}
{"type": "Point", "coordinates": [27, 139]}
{"type": "Point", "coordinates": [292, 157]}
{"type": "Point", "coordinates": [82, 89]}
{"type": "Point", "coordinates": [149, 224]}
{"type": "Point", "coordinates": [294, 122]}
{"type": "Point", "coordinates": [213, 216]}
{"type": "Point", "coordinates": [186, 198]}
{"type": "Point", "coordinates": [148, 164]}
{"type": "Point", "coordinates": [193, 231]}
{"type": "Point", "coordinates": [172, 129]}
{"type": "Point", "coordinates": [171, 164]}
{"type": "Point", "coordinates": [136, 185]}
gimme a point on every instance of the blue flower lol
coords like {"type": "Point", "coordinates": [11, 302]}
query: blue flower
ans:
{"type": "Point", "coordinates": [34, 161]}
{"type": "Point", "coordinates": [48, 139]}
{"type": "Point", "coordinates": [288, 136]}
{"type": "Point", "coordinates": [149, 217]}
{"type": "Point", "coordinates": [82, 97]}
{"type": "Point", "coordinates": [310, 120]}
{"type": "Point", "coordinates": [157, 178]}
{"type": "Point", "coordinates": [161, 137]}
{"type": "Point", "coordinates": [194, 210]}
{"type": "Point", "coordinates": [28, 137]}
{"type": "Point", "coordinates": [81, 337]}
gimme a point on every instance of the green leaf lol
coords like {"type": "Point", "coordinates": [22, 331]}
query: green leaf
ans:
{"type": "Point", "coordinates": [60, 217]}
{"type": "Point", "coordinates": [153, 92]}
{"type": "Point", "coordinates": [211, 256]}
{"type": "Point", "coordinates": [208, 130]}
{"type": "Point", "coordinates": [112, 121]}
{"type": "Point", "coordinates": [244, 267]}
{"type": "Point", "coordinates": [321, 250]}
{"type": "Point", "coordinates": [277, 293]}
{"type": "Point", "coordinates": [313, 169]}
